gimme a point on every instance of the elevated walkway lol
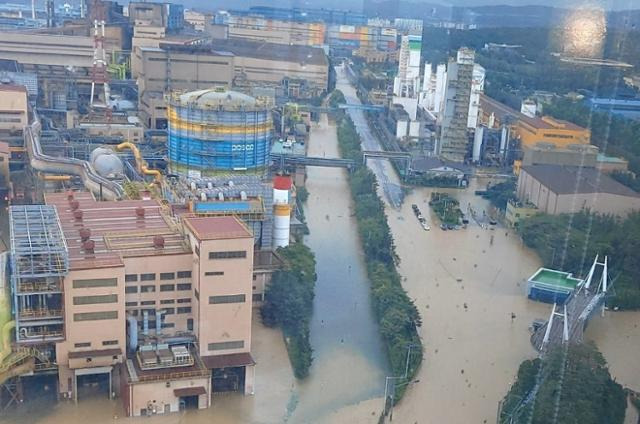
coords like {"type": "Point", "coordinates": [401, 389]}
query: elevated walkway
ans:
{"type": "Point", "coordinates": [568, 320]}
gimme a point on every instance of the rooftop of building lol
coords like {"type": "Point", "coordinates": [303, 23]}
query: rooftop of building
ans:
{"type": "Point", "coordinates": [573, 179]}
{"type": "Point", "coordinates": [281, 147]}
{"type": "Point", "coordinates": [217, 228]}
{"type": "Point", "coordinates": [118, 230]}
{"type": "Point", "coordinates": [611, 159]}
{"type": "Point", "coordinates": [271, 51]}
{"type": "Point", "coordinates": [552, 277]}
{"type": "Point", "coordinates": [431, 163]}
{"type": "Point", "coordinates": [8, 65]}
{"type": "Point", "coordinates": [501, 111]}
{"type": "Point", "coordinates": [214, 97]}
{"type": "Point", "coordinates": [15, 88]}
{"type": "Point", "coordinates": [549, 123]}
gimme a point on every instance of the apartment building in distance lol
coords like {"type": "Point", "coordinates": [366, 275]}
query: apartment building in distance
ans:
{"type": "Point", "coordinates": [152, 308]}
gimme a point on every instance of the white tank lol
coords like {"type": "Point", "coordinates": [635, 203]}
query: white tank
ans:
{"type": "Point", "coordinates": [99, 151]}
{"type": "Point", "coordinates": [203, 196]}
{"type": "Point", "coordinates": [281, 223]}
{"type": "Point", "coordinates": [280, 196]}
{"type": "Point", "coordinates": [108, 165]}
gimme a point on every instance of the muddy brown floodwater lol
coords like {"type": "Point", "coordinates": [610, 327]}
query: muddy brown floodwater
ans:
{"type": "Point", "coordinates": [466, 284]}
{"type": "Point", "coordinates": [466, 288]}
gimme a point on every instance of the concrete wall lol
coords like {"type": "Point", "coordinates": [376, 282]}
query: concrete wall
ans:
{"type": "Point", "coordinates": [273, 71]}
{"type": "Point", "coordinates": [94, 332]}
{"type": "Point", "coordinates": [237, 280]}
{"type": "Point", "coordinates": [530, 189]}
{"type": "Point", "coordinates": [160, 395]}
{"type": "Point", "coordinates": [153, 300]}
{"type": "Point", "coordinates": [188, 71]}
{"type": "Point", "coordinates": [13, 109]}
{"type": "Point", "coordinates": [60, 50]}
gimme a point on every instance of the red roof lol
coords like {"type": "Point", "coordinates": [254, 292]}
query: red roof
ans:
{"type": "Point", "coordinates": [217, 227]}
{"type": "Point", "coordinates": [116, 229]}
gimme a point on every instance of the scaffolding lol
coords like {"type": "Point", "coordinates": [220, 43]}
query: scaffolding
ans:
{"type": "Point", "coordinates": [39, 262]}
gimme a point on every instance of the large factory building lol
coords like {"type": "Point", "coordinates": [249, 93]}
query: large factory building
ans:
{"type": "Point", "coordinates": [132, 300]}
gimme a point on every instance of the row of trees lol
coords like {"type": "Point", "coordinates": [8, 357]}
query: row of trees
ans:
{"type": "Point", "coordinates": [289, 304]}
{"type": "Point", "coordinates": [396, 313]}
{"type": "Point", "coordinates": [570, 242]}
{"type": "Point", "coordinates": [574, 387]}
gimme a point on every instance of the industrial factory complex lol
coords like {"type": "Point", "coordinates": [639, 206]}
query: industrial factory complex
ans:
{"type": "Point", "coordinates": [152, 160]}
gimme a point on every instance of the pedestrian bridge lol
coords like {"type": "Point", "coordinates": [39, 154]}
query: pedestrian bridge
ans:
{"type": "Point", "coordinates": [568, 321]}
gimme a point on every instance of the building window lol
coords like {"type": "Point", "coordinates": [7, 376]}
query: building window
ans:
{"type": "Point", "coordinates": [169, 311]}
{"type": "Point", "coordinates": [167, 287]}
{"type": "Point", "coordinates": [109, 343]}
{"type": "Point", "coordinates": [95, 316]}
{"type": "Point", "coordinates": [184, 274]}
{"type": "Point", "coordinates": [131, 289]}
{"type": "Point", "coordinates": [237, 344]}
{"type": "Point", "coordinates": [84, 344]}
{"type": "Point", "coordinates": [130, 304]}
{"type": "Point", "coordinates": [167, 276]}
{"type": "Point", "coordinates": [186, 286]}
{"type": "Point", "coordinates": [128, 278]}
{"type": "Point", "coordinates": [231, 298]}
{"type": "Point", "coordinates": [134, 313]}
{"type": "Point", "coordinates": [233, 254]}
{"type": "Point", "coordinates": [168, 325]}
{"type": "Point", "coordinates": [190, 324]}
{"type": "Point", "coordinates": [95, 282]}
{"type": "Point", "coordinates": [147, 302]}
{"type": "Point", "coordinates": [167, 301]}
{"type": "Point", "coordinates": [147, 289]}
{"type": "Point", "coordinates": [257, 297]}
{"type": "Point", "coordinates": [147, 277]}
{"type": "Point", "coordinates": [184, 310]}
{"type": "Point", "coordinates": [91, 300]}
{"type": "Point", "coordinates": [184, 300]}
{"type": "Point", "coordinates": [212, 273]}
{"type": "Point", "coordinates": [151, 312]}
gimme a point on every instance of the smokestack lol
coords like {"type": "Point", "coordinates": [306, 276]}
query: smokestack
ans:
{"type": "Point", "coordinates": [85, 234]}
{"type": "Point", "coordinates": [33, 9]}
{"type": "Point", "coordinates": [89, 246]}
{"type": "Point", "coordinates": [158, 242]}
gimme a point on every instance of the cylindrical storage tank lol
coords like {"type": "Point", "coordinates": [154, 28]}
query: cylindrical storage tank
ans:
{"type": "Point", "coordinates": [281, 222]}
{"type": "Point", "coordinates": [281, 186]}
{"type": "Point", "coordinates": [217, 130]}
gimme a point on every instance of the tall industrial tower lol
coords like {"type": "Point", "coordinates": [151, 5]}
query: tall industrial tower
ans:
{"type": "Point", "coordinates": [407, 82]}
{"type": "Point", "coordinates": [454, 140]}
{"type": "Point", "coordinates": [99, 74]}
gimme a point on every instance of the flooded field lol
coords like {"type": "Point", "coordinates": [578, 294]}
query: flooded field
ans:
{"type": "Point", "coordinates": [467, 284]}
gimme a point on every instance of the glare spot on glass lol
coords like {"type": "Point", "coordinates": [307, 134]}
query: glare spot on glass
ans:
{"type": "Point", "coordinates": [584, 32]}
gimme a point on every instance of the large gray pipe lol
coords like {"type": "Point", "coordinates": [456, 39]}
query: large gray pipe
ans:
{"type": "Point", "coordinates": [159, 321]}
{"type": "Point", "coordinates": [145, 323]}
{"type": "Point", "coordinates": [133, 333]}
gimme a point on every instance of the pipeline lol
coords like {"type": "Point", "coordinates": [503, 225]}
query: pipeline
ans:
{"type": "Point", "coordinates": [44, 163]}
{"type": "Point", "coordinates": [133, 333]}
{"type": "Point", "coordinates": [140, 162]}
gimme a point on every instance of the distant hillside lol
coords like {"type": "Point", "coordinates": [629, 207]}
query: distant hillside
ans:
{"type": "Point", "coordinates": [490, 16]}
